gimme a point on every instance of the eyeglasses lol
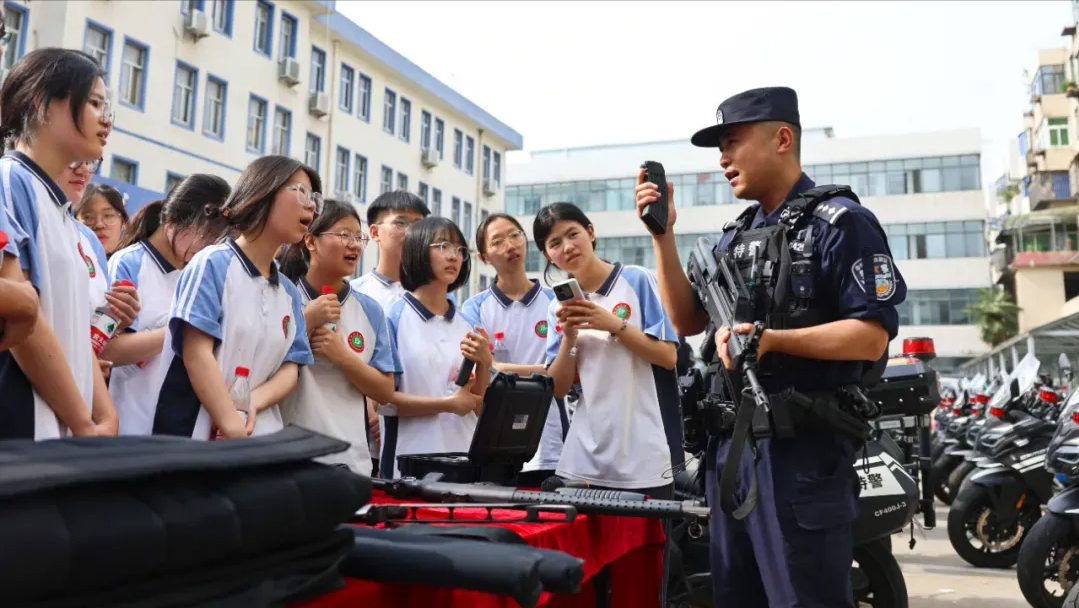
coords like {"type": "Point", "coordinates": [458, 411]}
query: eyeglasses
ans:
{"type": "Point", "coordinates": [104, 107]}
{"type": "Point", "coordinates": [347, 238]}
{"type": "Point", "coordinates": [109, 218]}
{"type": "Point", "coordinates": [450, 250]}
{"type": "Point", "coordinates": [306, 197]}
{"type": "Point", "coordinates": [399, 223]}
{"type": "Point", "coordinates": [91, 165]}
{"type": "Point", "coordinates": [516, 237]}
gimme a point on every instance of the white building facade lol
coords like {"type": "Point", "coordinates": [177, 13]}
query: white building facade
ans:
{"type": "Point", "coordinates": [206, 86]}
{"type": "Point", "coordinates": [925, 189]}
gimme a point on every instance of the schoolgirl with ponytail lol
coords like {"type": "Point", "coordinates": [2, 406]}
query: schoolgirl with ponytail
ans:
{"type": "Point", "coordinates": [160, 240]}
{"type": "Point", "coordinates": [348, 334]}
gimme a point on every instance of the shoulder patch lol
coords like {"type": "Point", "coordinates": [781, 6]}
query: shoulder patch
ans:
{"type": "Point", "coordinates": [830, 211]}
{"type": "Point", "coordinates": [884, 273]}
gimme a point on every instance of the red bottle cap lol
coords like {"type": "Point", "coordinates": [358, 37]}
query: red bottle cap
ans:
{"type": "Point", "coordinates": [126, 283]}
{"type": "Point", "coordinates": [500, 335]}
{"type": "Point", "coordinates": [242, 371]}
{"type": "Point", "coordinates": [558, 328]}
{"type": "Point", "coordinates": [326, 289]}
{"type": "Point", "coordinates": [3, 239]}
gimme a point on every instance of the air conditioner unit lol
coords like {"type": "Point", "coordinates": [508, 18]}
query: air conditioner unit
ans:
{"type": "Point", "coordinates": [288, 71]}
{"type": "Point", "coordinates": [197, 24]}
{"type": "Point", "coordinates": [490, 187]}
{"type": "Point", "coordinates": [430, 158]}
{"type": "Point", "coordinates": [318, 104]}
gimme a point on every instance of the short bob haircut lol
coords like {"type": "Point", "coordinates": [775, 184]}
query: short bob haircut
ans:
{"type": "Point", "coordinates": [42, 76]}
{"type": "Point", "coordinates": [416, 252]}
{"type": "Point", "coordinates": [396, 201]}
{"type": "Point", "coordinates": [251, 201]}
{"type": "Point", "coordinates": [545, 220]}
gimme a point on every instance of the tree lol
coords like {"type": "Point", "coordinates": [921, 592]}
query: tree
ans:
{"type": "Point", "coordinates": [996, 316]}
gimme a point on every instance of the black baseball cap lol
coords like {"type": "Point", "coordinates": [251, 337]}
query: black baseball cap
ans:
{"type": "Point", "coordinates": [754, 105]}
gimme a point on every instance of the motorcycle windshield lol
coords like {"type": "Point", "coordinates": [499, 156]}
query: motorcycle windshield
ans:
{"type": "Point", "coordinates": [1026, 372]}
{"type": "Point", "coordinates": [1067, 431]}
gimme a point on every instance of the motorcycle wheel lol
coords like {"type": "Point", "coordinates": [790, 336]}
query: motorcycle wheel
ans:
{"type": "Point", "coordinates": [935, 451]}
{"type": "Point", "coordinates": [876, 578]}
{"type": "Point", "coordinates": [972, 509]}
{"type": "Point", "coordinates": [938, 476]}
{"type": "Point", "coordinates": [1050, 550]}
{"type": "Point", "coordinates": [958, 475]}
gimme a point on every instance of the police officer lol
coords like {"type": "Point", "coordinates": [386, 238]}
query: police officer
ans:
{"type": "Point", "coordinates": [832, 324]}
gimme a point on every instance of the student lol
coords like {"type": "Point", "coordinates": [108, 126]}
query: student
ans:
{"type": "Point", "coordinates": [429, 413]}
{"type": "Point", "coordinates": [517, 307]}
{"type": "Point", "coordinates": [18, 301]}
{"type": "Point", "coordinates": [388, 217]}
{"type": "Point", "coordinates": [159, 242]}
{"type": "Point", "coordinates": [101, 208]}
{"type": "Point", "coordinates": [54, 106]}
{"type": "Point", "coordinates": [621, 343]}
{"type": "Point", "coordinates": [351, 361]}
{"type": "Point", "coordinates": [233, 309]}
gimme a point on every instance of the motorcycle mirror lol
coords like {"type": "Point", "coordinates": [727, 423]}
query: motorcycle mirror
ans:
{"type": "Point", "coordinates": [1014, 388]}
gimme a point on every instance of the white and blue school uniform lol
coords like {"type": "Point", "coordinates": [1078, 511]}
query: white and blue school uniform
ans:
{"type": "Point", "coordinates": [97, 265]}
{"type": "Point", "coordinates": [46, 238]}
{"type": "Point", "coordinates": [428, 350]}
{"type": "Point", "coordinates": [617, 438]}
{"type": "Point", "coordinates": [256, 322]}
{"type": "Point", "coordinates": [525, 328]}
{"type": "Point", "coordinates": [324, 400]}
{"type": "Point", "coordinates": [155, 278]}
{"type": "Point", "coordinates": [380, 288]}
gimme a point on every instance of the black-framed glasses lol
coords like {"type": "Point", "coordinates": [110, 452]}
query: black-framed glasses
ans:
{"type": "Point", "coordinates": [348, 238]}
{"type": "Point", "coordinates": [91, 165]}
{"type": "Point", "coordinates": [451, 250]}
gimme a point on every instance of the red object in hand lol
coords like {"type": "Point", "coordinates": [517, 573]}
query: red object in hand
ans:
{"type": "Point", "coordinates": [500, 335]}
{"type": "Point", "coordinates": [327, 290]}
{"type": "Point", "coordinates": [125, 283]}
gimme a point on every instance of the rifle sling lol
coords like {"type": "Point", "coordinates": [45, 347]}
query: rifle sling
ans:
{"type": "Point", "coordinates": [743, 424]}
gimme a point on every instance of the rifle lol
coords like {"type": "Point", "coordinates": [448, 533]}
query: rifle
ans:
{"type": "Point", "coordinates": [599, 502]}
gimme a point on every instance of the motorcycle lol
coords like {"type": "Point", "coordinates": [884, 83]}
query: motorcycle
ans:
{"type": "Point", "coordinates": [896, 457]}
{"type": "Point", "coordinates": [1001, 501]}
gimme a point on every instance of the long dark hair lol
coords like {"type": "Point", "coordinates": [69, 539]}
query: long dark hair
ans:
{"type": "Point", "coordinates": [195, 203]}
{"type": "Point", "coordinates": [416, 252]}
{"type": "Point", "coordinates": [111, 195]}
{"type": "Point", "coordinates": [251, 201]}
{"type": "Point", "coordinates": [545, 220]}
{"type": "Point", "coordinates": [37, 79]}
{"type": "Point", "coordinates": [481, 234]}
{"type": "Point", "coordinates": [296, 259]}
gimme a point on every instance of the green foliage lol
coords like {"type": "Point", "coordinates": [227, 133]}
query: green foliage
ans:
{"type": "Point", "coordinates": [996, 316]}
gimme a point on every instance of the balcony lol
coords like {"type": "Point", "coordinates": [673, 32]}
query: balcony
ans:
{"type": "Point", "coordinates": [1039, 238]}
{"type": "Point", "coordinates": [1050, 189]}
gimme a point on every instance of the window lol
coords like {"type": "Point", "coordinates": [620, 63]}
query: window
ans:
{"type": "Point", "coordinates": [222, 16]}
{"type": "Point", "coordinates": [498, 169]}
{"type": "Point", "coordinates": [282, 131]}
{"type": "Point", "coordinates": [483, 215]}
{"type": "Point", "coordinates": [389, 111]}
{"type": "Point", "coordinates": [440, 131]}
{"type": "Point", "coordinates": [466, 221]}
{"type": "Point", "coordinates": [312, 151]}
{"type": "Point", "coordinates": [286, 45]}
{"type": "Point", "coordinates": [98, 44]}
{"type": "Point", "coordinates": [133, 74]}
{"type": "Point", "coordinates": [213, 114]}
{"type": "Point", "coordinates": [124, 170]}
{"type": "Point", "coordinates": [348, 77]}
{"type": "Point", "coordinates": [421, 191]}
{"type": "Point", "coordinates": [470, 152]}
{"type": "Point", "coordinates": [402, 181]}
{"type": "Point", "coordinates": [15, 23]}
{"type": "Point", "coordinates": [256, 125]}
{"type": "Point", "coordinates": [1058, 131]}
{"type": "Point", "coordinates": [486, 167]}
{"type": "Point", "coordinates": [936, 240]}
{"type": "Point", "coordinates": [171, 179]}
{"type": "Point", "coordinates": [937, 307]}
{"type": "Point", "coordinates": [406, 119]}
{"type": "Point", "coordinates": [186, 6]}
{"type": "Point", "coordinates": [340, 175]}
{"type": "Point", "coordinates": [263, 27]}
{"type": "Point", "coordinates": [455, 210]}
{"type": "Point", "coordinates": [436, 201]}
{"type": "Point", "coordinates": [183, 96]}
{"type": "Point", "coordinates": [318, 70]}
{"type": "Point", "coordinates": [457, 148]}
{"type": "Point", "coordinates": [364, 98]}
{"type": "Point", "coordinates": [425, 130]}
{"type": "Point", "coordinates": [359, 178]}
{"type": "Point", "coordinates": [1049, 80]}
{"type": "Point", "coordinates": [387, 180]}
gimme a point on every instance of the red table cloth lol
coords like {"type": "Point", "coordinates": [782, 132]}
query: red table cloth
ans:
{"type": "Point", "coordinates": [632, 546]}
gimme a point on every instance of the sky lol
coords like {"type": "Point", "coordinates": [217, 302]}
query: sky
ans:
{"type": "Point", "coordinates": [566, 74]}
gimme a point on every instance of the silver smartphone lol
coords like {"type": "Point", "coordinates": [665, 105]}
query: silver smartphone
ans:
{"type": "Point", "coordinates": [568, 290]}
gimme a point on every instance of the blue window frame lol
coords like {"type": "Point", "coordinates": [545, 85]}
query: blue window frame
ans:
{"type": "Point", "coordinates": [134, 72]}
{"type": "Point", "coordinates": [264, 28]}
{"type": "Point", "coordinates": [341, 164]}
{"type": "Point", "coordinates": [185, 95]}
{"type": "Point", "coordinates": [214, 108]}
{"type": "Point", "coordinates": [221, 16]}
{"type": "Point", "coordinates": [187, 5]}
{"type": "Point", "coordinates": [23, 32]}
{"type": "Point", "coordinates": [346, 87]}
{"type": "Point", "coordinates": [171, 179]}
{"type": "Point", "coordinates": [97, 42]}
{"type": "Point", "coordinates": [132, 164]}
{"type": "Point", "coordinates": [363, 96]}
{"type": "Point", "coordinates": [318, 69]}
{"type": "Point", "coordinates": [258, 110]}
{"type": "Point", "coordinates": [359, 178]}
{"type": "Point", "coordinates": [281, 131]}
{"type": "Point", "coordinates": [312, 151]}
{"type": "Point", "coordinates": [389, 112]}
{"type": "Point", "coordinates": [286, 45]}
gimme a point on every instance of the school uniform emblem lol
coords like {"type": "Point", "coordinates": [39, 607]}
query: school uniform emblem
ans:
{"type": "Point", "coordinates": [541, 329]}
{"type": "Point", "coordinates": [285, 323]}
{"type": "Point", "coordinates": [622, 311]}
{"type": "Point", "coordinates": [884, 270]}
{"type": "Point", "coordinates": [89, 263]}
{"type": "Point", "coordinates": [355, 341]}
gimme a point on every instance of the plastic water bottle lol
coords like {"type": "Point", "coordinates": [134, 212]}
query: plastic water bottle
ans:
{"type": "Point", "coordinates": [103, 325]}
{"type": "Point", "coordinates": [240, 393]}
{"type": "Point", "coordinates": [330, 325]}
{"type": "Point", "coordinates": [501, 353]}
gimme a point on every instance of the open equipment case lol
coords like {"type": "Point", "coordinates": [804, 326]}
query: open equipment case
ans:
{"type": "Point", "coordinates": [507, 434]}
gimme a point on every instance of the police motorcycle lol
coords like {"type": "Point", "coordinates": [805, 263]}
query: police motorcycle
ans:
{"type": "Point", "coordinates": [895, 457]}
{"type": "Point", "coordinates": [960, 432]}
{"type": "Point", "coordinates": [1000, 502]}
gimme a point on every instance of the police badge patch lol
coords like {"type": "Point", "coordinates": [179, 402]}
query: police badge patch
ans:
{"type": "Point", "coordinates": [719, 117]}
{"type": "Point", "coordinates": [885, 274]}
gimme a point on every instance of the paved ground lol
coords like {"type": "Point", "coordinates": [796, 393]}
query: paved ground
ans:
{"type": "Point", "coordinates": [936, 577]}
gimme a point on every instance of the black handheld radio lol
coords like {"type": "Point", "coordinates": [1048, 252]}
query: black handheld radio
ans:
{"type": "Point", "coordinates": [654, 214]}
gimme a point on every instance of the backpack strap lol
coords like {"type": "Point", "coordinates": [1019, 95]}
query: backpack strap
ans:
{"type": "Point", "coordinates": [744, 219]}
